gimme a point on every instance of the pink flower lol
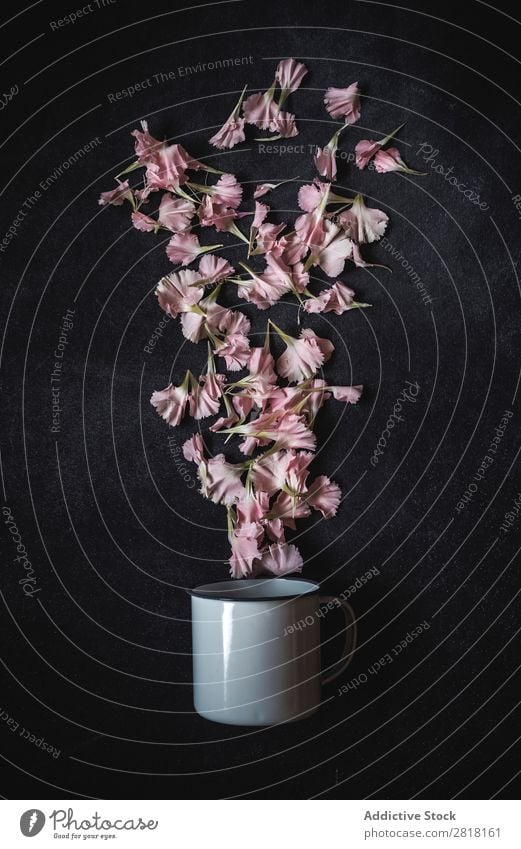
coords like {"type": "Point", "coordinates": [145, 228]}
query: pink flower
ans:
{"type": "Point", "coordinates": [363, 224]}
{"type": "Point", "coordinates": [213, 268]}
{"type": "Point", "coordinates": [262, 289]}
{"type": "Point", "coordinates": [367, 148]}
{"type": "Point", "coordinates": [261, 366]}
{"type": "Point", "coordinates": [282, 399]}
{"type": "Point", "coordinates": [232, 131]}
{"type": "Point", "coordinates": [260, 109]}
{"type": "Point", "coordinates": [205, 398]}
{"type": "Point", "coordinates": [223, 480]}
{"type": "Point", "coordinates": [286, 470]}
{"type": "Point", "coordinates": [317, 303]}
{"type": "Point", "coordinates": [175, 213]}
{"type": "Point", "coordinates": [332, 250]}
{"type": "Point", "coordinates": [338, 299]}
{"type": "Point", "coordinates": [314, 395]}
{"type": "Point", "coordinates": [297, 471]}
{"type": "Point", "coordinates": [230, 134]}
{"type": "Point", "coordinates": [212, 213]}
{"type": "Point", "coordinates": [310, 196]}
{"type": "Point", "coordinates": [263, 189]}
{"type": "Point", "coordinates": [252, 508]}
{"type": "Point", "coordinates": [176, 292]}
{"type": "Point", "coordinates": [245, 542]}
{"type": "Point", "coordinates": [224, 422]}
{"type": "Point", "coordinates": [193, 449]}
{"type": "Point", "coordinates": [235, 348]}
{"type": "Point", "coordinates": [266, 236]}
{"type": "Point", "coordinates": [277, 272]}
{"type": "Point", "coordinates": [344, 103]}
{"type": "Point", "coordinates": [144, 222]}
{"type": "Point", "coordinates": [116, 196]}
{"type": "Point", "coordinates": [390, 160]}
{"type": "Point", "coordinates": [194, 325]}
{"type": "Point", "coordinates": [230, 321]}
{"type": "Point", "coordinates": [325, 158]}
{"type": "Point", "coordinates": [268, 473]}
{"type": "Point", "coordinates": [145, 145]}
{"type": "Point", "coordinates": [227, 191]}
{"type": "Point", "coordinates": [325, 162]}
{"type": "Point", "coordinates": [286, 430]}
{"type": "Point", "coordinates": [310, 228]}
{"type": "Point", "coordinates": [349, 394]}
{"type": "Point", "coordinates": [167, 167]}
{"type": "Point", "coordinates": [304, 356]}
{"type": "Point", "coordinates": [364, 152]}
{"type": "Point", "coordinates": [287, 509]}
{"type": "Point", "coordinates": [261, 211]}
{"type": "Point", "coordinates": [184, 248]}
{"type": "Point", "coordinates": [290, 249]}
{"type": "Point", "coordinates": [324, 495]}
{"type": "Point", "coordinates": [289, 75]}
{"type": "Point", "coordinates": [282, 559]}
{"type": "Point", "coordinates": [171, 402]}
{"type": "Point", "coordinates": [284, 125]}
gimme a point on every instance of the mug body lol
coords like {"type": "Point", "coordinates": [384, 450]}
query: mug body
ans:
{"type": "Point", "coordinates": [251, 665]}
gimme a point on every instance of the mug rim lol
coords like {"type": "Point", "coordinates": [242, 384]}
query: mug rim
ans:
{"type": "Point", "coordinates": [205, 591]}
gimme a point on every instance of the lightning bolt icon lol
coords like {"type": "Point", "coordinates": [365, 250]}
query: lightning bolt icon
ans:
{"type": "Point", "coordinates": [33, 819]}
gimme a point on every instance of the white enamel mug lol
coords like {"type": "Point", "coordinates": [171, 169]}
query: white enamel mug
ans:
{"type": "Point", "coordinates": [256, 649]}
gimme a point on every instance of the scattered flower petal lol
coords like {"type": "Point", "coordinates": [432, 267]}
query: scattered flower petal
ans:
{"type": "Point", "coordinates": [260, 109]}
{"type": "Point", "coordinates": [176, 292]}
{"type": "Point", "coordinates": [144, 222]}
{"type": "Point", "coordinates": [303, 356]}
{"type": "Point", "coordinates": [171, 402]}
{"type": "Point", "coordinates": [289, 75]}
{"type": "Point", "coordinates": [323, 495]}
{"type": "Point", "coordinates": [232, 131]}
{"type": "Point", "coordinates": [344, 103]}
{"type": "Point", "coordinates": [116, 196]}
{"type": "Point", "coordinates": [363, 224]}
{"type": "Point", "coordinates": [282, 560]}
{"type": "Point", "coordinates": [390, 160]}
{"type": "Point", "coordinates": [175, 213]}
{"type": "Point", "coordinates": [185, 247]}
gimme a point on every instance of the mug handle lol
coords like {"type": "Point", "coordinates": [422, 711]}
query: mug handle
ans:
{"type": "Point", "coordinates": [350, 641]}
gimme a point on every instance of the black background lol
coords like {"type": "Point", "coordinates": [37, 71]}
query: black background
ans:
{"type": "Point", "coordinates": [98, 661]}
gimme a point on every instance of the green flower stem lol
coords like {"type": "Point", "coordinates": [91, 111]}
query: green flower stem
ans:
{"type": "Point", "coordinates": [135, 165]}
{"type": "Point", "coordinates": [388, 138]}
{"type": "Point", "coordinates": [284, 336]}
{"type": "Point", "coordinates": [236, 232]}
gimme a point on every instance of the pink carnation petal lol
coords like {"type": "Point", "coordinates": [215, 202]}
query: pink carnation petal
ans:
{"type": "Point", "coordinates": [282, 559]}
{"type": "Point", "coordinates": [213, 268]}
{"type": "Point", "coordinates": [289, 74]}
{"type": "Point", "coordinates": [364, 152]}
{"type": "Point", "coordinates": [176, 292]}
{"type": "Point", "coordinates": [116, 196]}
{"type": "Point", "coordinates": [230, 134]}
{"type": "Point", "coordinates": [170, 403]}
{"type": "Point", "coordinates": [224, 485]}
{"type": "Point", "coordinates": [143, 222]}
{"type": "Point", "coordinates": [175, 213]}
{"type": "Point", "coordinates": [324, 495]}
{"type": "Point", "coordinates": [349, 394]}
{"type": "Point", "coordinates": [344, 103]}
{"type": "Point", "coordinates": [260, 109]}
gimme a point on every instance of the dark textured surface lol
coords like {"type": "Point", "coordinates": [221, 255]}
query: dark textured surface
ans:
{"type": "Point", "coordinates": [98, 661]}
